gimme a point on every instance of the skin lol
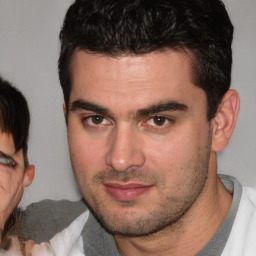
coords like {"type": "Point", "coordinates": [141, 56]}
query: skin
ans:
{"type": "Point", "coordinates": [143, 152]}
{"type": "Point", "coordinates": [20, 247]}
{"type": "Point", "coordinates": [13, 179]}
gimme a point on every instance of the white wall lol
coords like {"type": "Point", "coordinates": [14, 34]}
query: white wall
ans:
{"type": "Point", "coordinates": [29, 50]}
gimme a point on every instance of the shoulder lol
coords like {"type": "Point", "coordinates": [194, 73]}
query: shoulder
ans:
{"type": "Point", "coordinates": [61, 207]}
{"type": "Point", "coordinates": [248, 200]}
{"type": "Point", "coordinates": [42, 220]}
{"type": "Point", "coordinates": [242, 237]}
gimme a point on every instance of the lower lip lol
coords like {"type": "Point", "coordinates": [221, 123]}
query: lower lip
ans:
{"type": "Point", "coordinates": [126, 194]}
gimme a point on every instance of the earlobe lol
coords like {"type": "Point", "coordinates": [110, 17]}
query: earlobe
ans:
{"type": "Point", "coordinates": [29, 175]}
{"type": "Point", "coordinates": [225, 120]}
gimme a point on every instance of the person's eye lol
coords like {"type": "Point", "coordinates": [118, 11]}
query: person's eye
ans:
{"type": "Point", "coordinates": [6, 160]}
{"type": "Point", "coordinates": [158, 121]}
{"type": "Point", "coordinates": [96, 121]}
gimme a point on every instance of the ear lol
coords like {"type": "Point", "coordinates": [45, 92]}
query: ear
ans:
{"type": "Point", "coordinates": [225, 120]}
{"type": "Point", "coordinates": [29, 175]}
{"type": "Point", "coordinates": [64, 109]}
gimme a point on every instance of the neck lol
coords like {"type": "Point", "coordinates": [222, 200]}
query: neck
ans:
{"type": "Point", "coordinates": [192, 232]}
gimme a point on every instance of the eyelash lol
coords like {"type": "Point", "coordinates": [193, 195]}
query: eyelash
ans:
{"type": "Point", "coordinates": [88, 119]}
{"type": "Point", "coordinates": [166, 120]}
{"type": "Point", "coordinates": [6, 160]}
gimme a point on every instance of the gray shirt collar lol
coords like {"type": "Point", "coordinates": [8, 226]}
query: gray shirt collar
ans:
{"type": "Point", "coordinates": [217, 244]}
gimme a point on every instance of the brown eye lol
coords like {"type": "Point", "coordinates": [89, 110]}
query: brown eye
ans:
{"type": "Point", "coordinates": [97, 119]}
{"type": "Point", "coordinates": [159, 120]}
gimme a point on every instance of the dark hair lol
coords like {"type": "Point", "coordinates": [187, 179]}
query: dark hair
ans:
{"type": "Point", "coordinates": [14, 116]}
{"type": "Point", "coordinates": [201, 28]}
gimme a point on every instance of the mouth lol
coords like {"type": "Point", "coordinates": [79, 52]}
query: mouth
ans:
{"type": "Point", "coordinates": [126, 191]}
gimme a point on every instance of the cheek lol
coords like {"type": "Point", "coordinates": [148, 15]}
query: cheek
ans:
{"type": "Point", "coordinates": [167, 148]}
{"type": "Point", "coordinates": [5, 179]}
{"type": "Point", "coordinates": [86, 153]}
{"type": "Point", "coordinates": [10, 180]}
{"type": "Point", "coordinates": [174, 151]}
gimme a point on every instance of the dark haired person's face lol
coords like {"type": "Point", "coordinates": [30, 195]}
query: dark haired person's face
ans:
{"type": "Point", "coordinates": [139, 140]}
{"type": "Point", "coordinates": [13, 177]}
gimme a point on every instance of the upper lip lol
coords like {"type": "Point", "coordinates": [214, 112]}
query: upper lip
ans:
{"type": "Point", "coordinates": [126, 185]}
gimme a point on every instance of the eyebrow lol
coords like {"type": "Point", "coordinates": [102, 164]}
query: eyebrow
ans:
{"type": "Point", "coordinates": [86, 105]}
{"type": "Point", "coordinates": [162, 106]}
{"type": "Point", "coordinates": [154, 108]}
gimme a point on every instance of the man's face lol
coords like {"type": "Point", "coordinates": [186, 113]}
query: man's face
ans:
{"type": "Point", "coordinates": [11, 176]}
{"type": "Point", "coordinates": [139, 139]}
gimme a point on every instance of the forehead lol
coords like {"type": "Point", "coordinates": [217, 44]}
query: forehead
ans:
{"type": "Point", "coordinates": [133, 80]}
{"type": "Point", "coordinates": [7, 147]}
{"type": "Point", "coordinates": [6, 143]}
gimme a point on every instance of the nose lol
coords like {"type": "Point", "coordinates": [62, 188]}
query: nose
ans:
{"type": "Point", "coordinates": [126, 150]}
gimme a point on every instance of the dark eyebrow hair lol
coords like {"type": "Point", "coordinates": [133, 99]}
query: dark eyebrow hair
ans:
{"type": "Point", "coordinates": [86, 105]}
{"type": "Point", "coordinates": [155, 108]}
{"type": "Point", "coordinates": [162, 106]}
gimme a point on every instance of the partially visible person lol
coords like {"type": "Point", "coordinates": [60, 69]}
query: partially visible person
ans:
{"type": "Point", "coordinates": [15, 175]}
{"type": "Point", "coordinates": [15, 171]}
{"type": "Point", "coordinates": [68, 242]}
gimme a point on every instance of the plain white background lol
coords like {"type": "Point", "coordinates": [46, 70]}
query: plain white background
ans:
{"type": "Point", "coordinates": [29, 50]}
